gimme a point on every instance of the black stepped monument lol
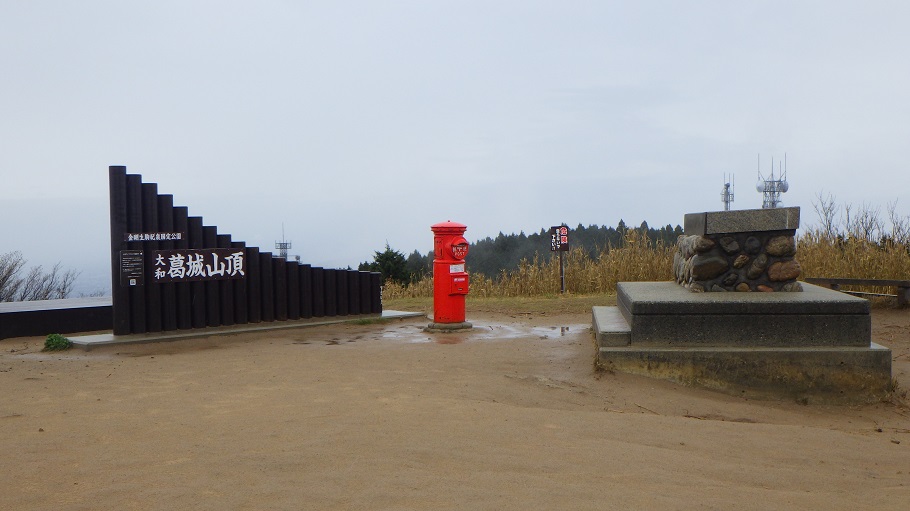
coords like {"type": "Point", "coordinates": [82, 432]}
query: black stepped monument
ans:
{"type": "Point", "coordinates": [171, 272]}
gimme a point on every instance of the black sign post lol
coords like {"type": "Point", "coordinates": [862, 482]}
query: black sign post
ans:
{"type": "Point", "coordinates": [559, 242]}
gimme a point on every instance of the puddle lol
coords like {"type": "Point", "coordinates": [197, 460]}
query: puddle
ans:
{"type": "Point", "coordinates": [482, 332]}
{"type": "Point", "coordinates": [448, 340]}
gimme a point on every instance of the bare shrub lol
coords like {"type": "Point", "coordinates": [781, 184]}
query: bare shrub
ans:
{"type": "Point", "coordinates": [36, 284]}
{"type": "Point", "coordinates": [827, 210]}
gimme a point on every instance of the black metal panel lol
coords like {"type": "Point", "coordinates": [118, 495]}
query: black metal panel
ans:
{"type": "Point", "coordinates": [280, 277]}
{"type": "Point", "coordinates": [119, 294]}
{"type": "Point", "coordinates": [168, 291]}
{"type": "Point", "coordinates": [134, 224]}
{"type": "Point", "coordinates": [331, 293]}
{"type": "Point", "coordinates": [212, 287]}
{"type": "Point", "coordinates": [183, 289]}
{"type": "Point", "coordinates": [241, 303]}
{"type": "Point", "coordinates": [376, 292]}
{"type": "Point", "coordinates": [306, 291]}
{"type": "Point", "coordinates": [341, 292]}
{"type": "Point", "coordinates": [197, 289]}
{"type": "Point", "coordinates": [253, 285]}
{"type": "Point", "coordinates": [318, 275]}
{"type": "Point", "coordinates": [227, 288]}
{"type": "Point", "coordinates": [366, 295]}
{"type": "Point", "coordinates": [152, 290]}
{"type": "Point", "coordinates": [267, 286]}
{"type": "Point", "coordinates": [353, 292]}
{"type": "Point", "coordinates": [43, 317]}
{"type": "Point", "coordinates": [293, 270]}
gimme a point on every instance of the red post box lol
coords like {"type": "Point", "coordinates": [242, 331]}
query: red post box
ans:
{"type": "Point", "coordinates": [450, 280]}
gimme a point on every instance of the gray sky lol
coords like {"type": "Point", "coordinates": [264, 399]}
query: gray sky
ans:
{"type": "Point", "coordinates": [360, 123]}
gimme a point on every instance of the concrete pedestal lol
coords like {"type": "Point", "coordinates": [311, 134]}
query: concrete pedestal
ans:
{"type": "Point", "coordinates": [812, 345]}
{"type": "Point", "coordinates": [448, 327]}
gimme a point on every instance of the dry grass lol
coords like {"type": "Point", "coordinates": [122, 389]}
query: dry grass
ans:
{"type": "Point", "coordinates": [638, 259]}
{"type": "Point", "coordinates": [853, 257]}
{"type": "Point", "coordinates": [544, 304]}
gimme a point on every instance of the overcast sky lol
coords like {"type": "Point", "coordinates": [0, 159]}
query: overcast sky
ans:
{"type": "Point", "coordinates": [356, 123]}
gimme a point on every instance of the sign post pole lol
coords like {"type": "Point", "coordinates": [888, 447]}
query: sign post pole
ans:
{"type": "Point", "coordinates": [562, 273]}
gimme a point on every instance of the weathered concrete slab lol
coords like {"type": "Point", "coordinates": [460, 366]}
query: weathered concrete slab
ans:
{"type": "Point", "coordinates": [642, 298]}
{"type": "Point", "coordinates": [835, 374]}
{"type": "Point", "coordinates": [610, 328]}
{"type": "Point", "coordinates": [759, 331]}
{"type": "Point", "coordinates": [744, 220]}
{"type": "Point", "coordinates": [87, 342]}
{"type": "Point", "coordinates": [663, 314]}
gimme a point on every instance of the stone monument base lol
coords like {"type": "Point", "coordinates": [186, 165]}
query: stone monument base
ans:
{"type": "Point", "coordinates": [448, 327]}
{"type": "Point", "coordinates": [815, 345]}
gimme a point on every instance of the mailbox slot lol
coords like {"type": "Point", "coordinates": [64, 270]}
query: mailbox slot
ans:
{"type": "Point", "coordinates": [458, 248]}
{"type": "Point", "coordinates": [460, 284]}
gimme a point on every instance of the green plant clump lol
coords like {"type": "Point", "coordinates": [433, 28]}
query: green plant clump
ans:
{"type": "Point", "coordinates": [56, 342]}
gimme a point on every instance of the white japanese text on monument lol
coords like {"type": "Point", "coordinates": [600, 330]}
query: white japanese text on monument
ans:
{"type": "Point", "coordinates": [186, 265]}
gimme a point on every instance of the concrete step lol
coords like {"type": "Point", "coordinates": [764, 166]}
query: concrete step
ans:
{"type": "Point", "coordinates": [826, 374]}
{"type": "Point", "coordinates": [610, 328]}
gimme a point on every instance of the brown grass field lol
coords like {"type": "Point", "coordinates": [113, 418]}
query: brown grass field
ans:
{"type": "Point", "coordinates": [511, 415]}
{"type": "Point", "coordinates": [640, 260]}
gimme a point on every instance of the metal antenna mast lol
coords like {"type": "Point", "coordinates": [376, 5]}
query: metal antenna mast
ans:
{"type": "Point", "coordinates": [726, 195]}
{"type": "Point", "coordinates": [282, 246]}
{"type": "Point", "coordinates": [771, 188]}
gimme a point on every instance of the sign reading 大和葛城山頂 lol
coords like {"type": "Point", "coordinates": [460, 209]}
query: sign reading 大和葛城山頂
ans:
{"type": "Point", "coordinates": [208, 278]}
{"type": "Point", "coordinates": [154, 236]}
{"type": "Point", "coordinates": [187, 265]}
{"type": "Point", "coordinates": [131, 268]}
{"type": "Point", "coordinates": [559, 238]}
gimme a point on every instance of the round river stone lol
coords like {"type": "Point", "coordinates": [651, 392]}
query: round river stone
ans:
{"type": "Point", "coordinates": [729, 244]}
{"type": "Point", "coordinates": [703, 244]}
{"type": "Point", "coordinates": [753, 245]}
{"type": "Point", "coordinates": [784, 270]}
{"type": "Point", "coordinates": [781, 246]}
{"type": "Point", "coordinates": [708, 267]}
{"type": "Point", "coordinates": [758, 266]}
{"type": "Point", "coordinates": [741, 260]}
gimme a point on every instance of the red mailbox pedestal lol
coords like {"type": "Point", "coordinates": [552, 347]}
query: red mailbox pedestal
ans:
{"type": "Point", "coordinates": [450, 280]}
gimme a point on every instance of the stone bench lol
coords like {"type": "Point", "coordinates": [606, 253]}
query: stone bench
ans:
{"type": "Point", "coordinates": [902, 287]}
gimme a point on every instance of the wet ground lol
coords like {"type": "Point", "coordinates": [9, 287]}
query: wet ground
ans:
{"type": "Point", "coordinates": [509, 415]}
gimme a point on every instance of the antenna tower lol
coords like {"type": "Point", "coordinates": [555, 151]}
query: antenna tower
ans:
{"type": "Point", "coordinates": [282, 246]}
{"type": "Point", "coordinates": [771, 188]}
{"type": "Point", "coordinates": [727, 194]}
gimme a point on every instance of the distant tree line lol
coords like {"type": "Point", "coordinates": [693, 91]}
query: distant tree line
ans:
{"type": "Point", "coordinates": [492, 256]}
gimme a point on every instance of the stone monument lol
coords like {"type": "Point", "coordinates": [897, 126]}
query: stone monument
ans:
{"type": "Point", "coordinates": [737, 320]}
{"type": "Point", "coordinates": [751, 250]}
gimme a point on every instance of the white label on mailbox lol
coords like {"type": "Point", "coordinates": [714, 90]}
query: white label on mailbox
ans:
{"type": "Point", "coordinates": [456, 268]}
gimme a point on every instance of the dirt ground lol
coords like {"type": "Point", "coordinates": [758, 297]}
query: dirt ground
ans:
{"type": "Point", "coordinates": [384, 416]}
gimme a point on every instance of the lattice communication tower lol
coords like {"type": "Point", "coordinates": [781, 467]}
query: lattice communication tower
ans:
{"type": "Point", "coordinates": [283, 246]}
{"type": "Point", "coordinates": [771, 188]}
{"type": "Point", "coordinates": [726, 195]}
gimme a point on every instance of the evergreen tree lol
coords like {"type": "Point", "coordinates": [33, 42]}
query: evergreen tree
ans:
{"type": "Point", "coordinates": [492, 256]}
{"type": "Point", "coordinates": [391, 264]}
